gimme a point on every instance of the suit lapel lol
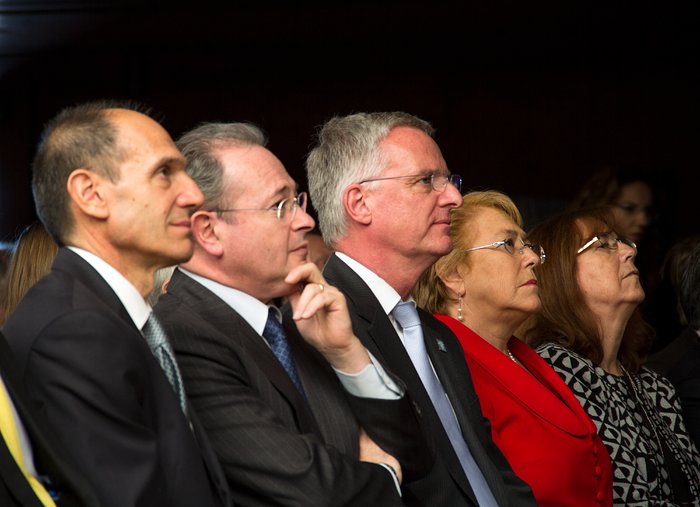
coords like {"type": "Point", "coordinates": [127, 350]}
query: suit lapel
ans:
{"type": "Point", "coordinates": [232, 326]}
{"type": "Point", "coordinates": [448, 360]}
{"type": "Point", "coordinates": [387, 347]}
{"type": "Point", "coordinates": [336, 427]}
{"type": "Point", "coordinates": [76, 267]}
{"type": "Point", "coordinates": [547, 402]}
{"type": "Point", "coordinates": [100, 291]}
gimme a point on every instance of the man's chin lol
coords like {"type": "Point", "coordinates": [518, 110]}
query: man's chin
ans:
{"type": "Point", "coordinates": [178, 256]}
{"type": "Point", "coordinates": [444, 248]}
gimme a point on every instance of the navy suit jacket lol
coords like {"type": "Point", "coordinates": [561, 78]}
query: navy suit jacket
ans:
{"type": "Point", "coordinates": [276, 448]}
{"type": "Point", "coordinates": [89, 370]}
{"type": "Point", "coordinates": [447, 484]}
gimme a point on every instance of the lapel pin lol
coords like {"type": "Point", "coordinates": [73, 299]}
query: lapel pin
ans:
{"type": "Point", "coordinates": [441, 345]}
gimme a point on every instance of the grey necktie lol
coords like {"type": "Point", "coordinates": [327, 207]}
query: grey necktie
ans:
{"type": "Point", "coordinates": [407, 317]}
{"type": "Point", "coordinates": [157, 340]}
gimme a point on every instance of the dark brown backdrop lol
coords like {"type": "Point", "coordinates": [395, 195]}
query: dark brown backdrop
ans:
{"type": "Point", "coordinates": [526, 99]}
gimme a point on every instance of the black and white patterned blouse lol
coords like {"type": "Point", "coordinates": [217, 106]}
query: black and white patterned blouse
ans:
{"type": "Point", "coordinates": [635, 415]}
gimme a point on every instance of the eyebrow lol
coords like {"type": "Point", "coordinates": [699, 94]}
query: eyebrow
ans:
{"type": "Point", "coordinates": [436, 172]}
{"type": "Point", "coordinates": [281, 191]}
{"type": "Point", "coordinates": [512, 233]}
{"type": "Point", "coordinates": [179, 161]}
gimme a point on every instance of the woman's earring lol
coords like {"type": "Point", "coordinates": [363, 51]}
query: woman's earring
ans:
{"type": "Point", "coordinates": [459, 308]}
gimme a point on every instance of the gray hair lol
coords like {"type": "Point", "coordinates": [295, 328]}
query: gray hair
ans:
{"type": "Point", "coordinates": [200, 145]}
{"type": "Point", "coordinates": [160, 278]}
{"type": "Point", "coordinates": [346, 152]}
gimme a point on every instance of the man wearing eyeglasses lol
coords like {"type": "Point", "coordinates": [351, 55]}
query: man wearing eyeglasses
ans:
{"type": "Point", "coordinates": [383, 193]}
{"type": "Point", "coordinates": [283, 422]}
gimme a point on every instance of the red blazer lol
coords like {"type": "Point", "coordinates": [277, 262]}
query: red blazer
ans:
{"type": "Point", "coordinates": [538, 423]}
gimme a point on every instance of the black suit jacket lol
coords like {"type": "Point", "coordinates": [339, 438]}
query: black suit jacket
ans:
{"type": "Point", "coordinates": [89, 370]}
{"type": "Point", "coordinates": [275, 448]}
{"type": "Point", "coordinates": [49, 457]}
{"type": "Point", "coordinates": [446, 485]}
{"type": "Point", "coordinates": [679, 361]}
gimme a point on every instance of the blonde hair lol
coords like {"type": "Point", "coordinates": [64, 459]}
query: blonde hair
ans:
{"type": "Point", "coordinates": [430, 292]}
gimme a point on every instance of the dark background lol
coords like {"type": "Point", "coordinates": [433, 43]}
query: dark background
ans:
{"type": "Point", "coordinates": [528, 99]}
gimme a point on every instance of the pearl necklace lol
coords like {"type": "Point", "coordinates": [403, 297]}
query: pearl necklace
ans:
{"type": "Point", "coordinates": [512, 357]}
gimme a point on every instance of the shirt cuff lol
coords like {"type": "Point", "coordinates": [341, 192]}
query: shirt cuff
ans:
{"type": "Point", "coordinates": [370, 382]}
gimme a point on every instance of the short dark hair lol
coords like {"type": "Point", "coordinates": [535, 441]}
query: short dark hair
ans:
{"type": "Point", "coordinates": [689, 292]}
{"type": "Point", "coordinates": [79, 136]}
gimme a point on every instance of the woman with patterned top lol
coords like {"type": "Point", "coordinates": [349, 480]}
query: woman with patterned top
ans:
{"type": "Point", "coordinates": [483, 290]}
{"type": "Point", "coordinates": [586, 330]}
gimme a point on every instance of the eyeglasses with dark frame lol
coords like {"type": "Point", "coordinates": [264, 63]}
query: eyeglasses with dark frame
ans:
{"type": "Point", "coordinates": [286, 207]}
{"type": "Point", "coordinates": [607, 241]}
{"type": "Point", "coordinates": [438, 182]}
{"type": "Point", "coordinates": [509, 246]}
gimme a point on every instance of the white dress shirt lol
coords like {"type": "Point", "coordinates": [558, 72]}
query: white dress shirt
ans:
{"type": "Point", "coordinates": [371, 382]}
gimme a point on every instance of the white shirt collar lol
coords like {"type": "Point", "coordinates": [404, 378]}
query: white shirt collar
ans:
{"type": "Point", "coordinates": [385, 293]}
{"type": "Point", "coordinates": [253, 311]}
{"type": "Point", "coordinates": [137, 307]}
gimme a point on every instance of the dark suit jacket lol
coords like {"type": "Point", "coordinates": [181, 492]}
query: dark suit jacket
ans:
{"type": "Point", "coordinates": [275, 449]}
{"type": "Point", "coordinates": [90, 371]}
{"type": "Point", "coordinates": [446, 485]}
{"type": "Point", "coordinates": [49, 457]}
{"type": "Point", "coordinates": [679, 362]}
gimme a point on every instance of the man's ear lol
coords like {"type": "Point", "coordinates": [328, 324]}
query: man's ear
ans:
{"type": "Point", "coordinates": [87, 191]}
{"type": "Point", "coordinates": [204, 230]}
{"type": "Point", "coordinates": [356, 205]}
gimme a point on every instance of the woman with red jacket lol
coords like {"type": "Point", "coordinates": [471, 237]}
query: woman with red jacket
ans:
{"type": "Point", "coordinates": [484, 290]}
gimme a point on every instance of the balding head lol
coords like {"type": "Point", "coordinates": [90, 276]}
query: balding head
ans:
{"type": "Point", "coordinates": [82, 136]}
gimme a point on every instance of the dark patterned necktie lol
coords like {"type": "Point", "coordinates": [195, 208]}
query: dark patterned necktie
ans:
{"type": "Point", "coordinates": [157, 340]}
{"type": "Point", "coordinates": [277, 339]}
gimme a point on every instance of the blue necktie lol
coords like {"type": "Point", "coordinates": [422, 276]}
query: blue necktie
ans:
{"type": "Point", "coordinates": [158, 342]}
{"type": "Point", "coordinates": [277, 339]}
{"type": "Point", "coordinates": [407, 317]}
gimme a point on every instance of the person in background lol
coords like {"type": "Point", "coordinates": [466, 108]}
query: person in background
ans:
{"type": "Point", "coordinates": [160, 284]}
{"type": "Point", "coordinates": [589, 288]}
{"type": "Point", "coordinates": [680, 360]}
{"type": "Point", "coordinates": [318, 250]}
{"type": "Point", "coordinates": [383, 194]}
{"type": "Point", "coordinates": [668, 318]}
{"type": "Point", "coordinates": [628, 191]}
{"type": "Point", "coordinates": [33, 255]}
{"type": "Point", "coordinates": [110, 187]}
{"type": "Point", "coordinates": [483, 290]}
{"type": "Point", "coordinates": [5, 254]}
